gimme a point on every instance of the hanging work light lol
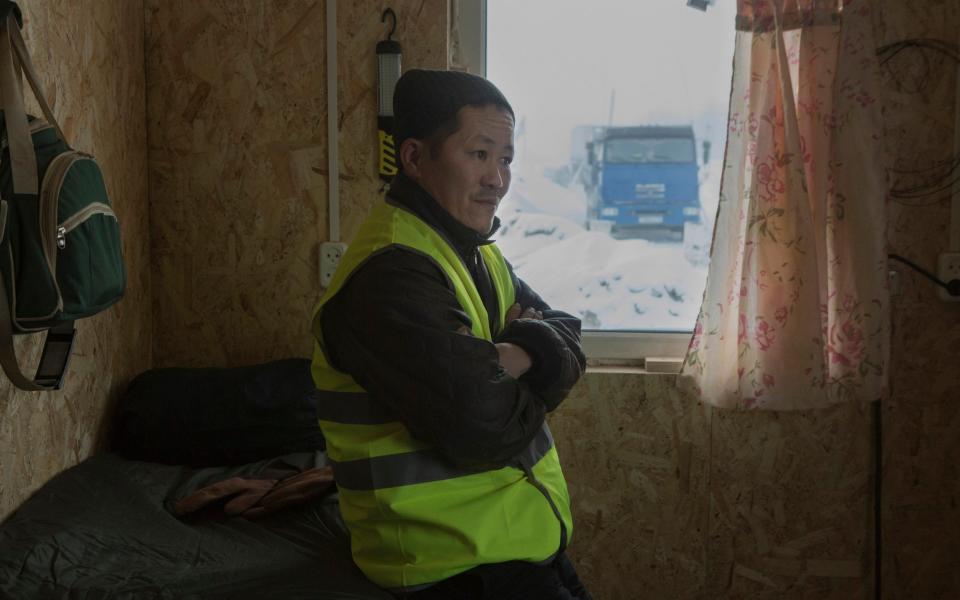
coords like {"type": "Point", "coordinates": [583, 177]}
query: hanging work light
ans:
{"type": "Point", "coordinates": [388, 72]}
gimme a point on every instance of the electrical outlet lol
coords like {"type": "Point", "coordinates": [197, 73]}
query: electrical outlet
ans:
{"type": "Point", "coordinates": [895, 285]}
{"type": "Point", "coordinates": [948, 270]}
{"type": "Point", "coordinates": [330, 255]}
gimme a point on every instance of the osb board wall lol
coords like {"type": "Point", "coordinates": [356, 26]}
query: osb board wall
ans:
{"type": "Point", "coordinates": [636, 457]}
{"type": "Point", "coordinates": [236, 104]}
{"type": "Point", "coordinates": [90, 58]}
{"type": "Point", "coordinates": [673, 499]}
{"type": "Point", "coordinates": [922, 420]}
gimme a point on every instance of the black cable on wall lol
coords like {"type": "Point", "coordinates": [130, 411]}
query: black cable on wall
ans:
{"type": "Point", "coordinates": [877, 495]}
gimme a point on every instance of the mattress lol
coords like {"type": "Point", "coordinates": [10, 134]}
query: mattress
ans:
{"type": "Point", "coordinates": [103, 529]}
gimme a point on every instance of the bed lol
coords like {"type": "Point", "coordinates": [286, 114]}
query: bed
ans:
{"type": "Point", "coordinates": [105, 528]}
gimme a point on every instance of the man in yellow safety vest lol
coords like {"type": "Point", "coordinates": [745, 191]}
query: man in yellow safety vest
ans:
{"type": "Point", "coordinates": [436, 366]}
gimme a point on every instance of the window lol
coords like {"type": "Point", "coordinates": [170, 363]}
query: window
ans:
{"type": "Point", "coordinates": [615, 187]}
{"type": "Point", "coordinates": [626, 150]}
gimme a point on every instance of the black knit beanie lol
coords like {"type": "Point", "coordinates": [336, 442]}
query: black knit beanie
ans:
{"type": "Point", "coordinates": [423, 100]}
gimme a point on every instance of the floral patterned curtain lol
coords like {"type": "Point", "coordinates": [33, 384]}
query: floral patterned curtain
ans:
{"type": "Point", "coordinates": [796, 310]}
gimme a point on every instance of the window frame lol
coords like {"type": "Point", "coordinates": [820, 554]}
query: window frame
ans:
{"type": "Point", "coordinates": [468, 36]}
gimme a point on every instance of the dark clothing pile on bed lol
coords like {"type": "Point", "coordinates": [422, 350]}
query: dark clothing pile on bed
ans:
{"type": "Point", "coordinates": [104, 528]}
{"type": "Point", "coordinates": [209, 417]}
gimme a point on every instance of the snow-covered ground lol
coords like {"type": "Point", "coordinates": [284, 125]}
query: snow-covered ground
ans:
{"type": "Point", "coordinates": [612, 284]}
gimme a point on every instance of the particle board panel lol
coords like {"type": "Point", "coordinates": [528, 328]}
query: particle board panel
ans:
{"type": "Point", "coordinates": [236, 103]}
{"type": "Point", "coordinates": [674, 499]}
{"type": "Point", "coordinates": [921, 455]}
{"type": "Point", "coordinates": [636, 457]}
{"type": "Point", "coordinates": [89, 56]}
{"type": "Point", "coordinates": [790, 504]}
{"type": "Point", "coordinates": [233, 88]}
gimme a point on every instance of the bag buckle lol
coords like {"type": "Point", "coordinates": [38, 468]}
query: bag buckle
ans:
{"type": "Point", "coordinates": [56, 356]}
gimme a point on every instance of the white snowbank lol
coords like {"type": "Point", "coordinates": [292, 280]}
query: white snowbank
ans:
{"type": "Point", "coordinates": [540, 195]}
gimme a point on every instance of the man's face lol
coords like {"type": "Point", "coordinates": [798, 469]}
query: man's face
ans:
{"type": "Point", "coordinates": [471, 172]}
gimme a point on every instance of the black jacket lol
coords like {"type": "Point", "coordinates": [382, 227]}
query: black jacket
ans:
{"type": "Point", "coordinates": [397, 328]}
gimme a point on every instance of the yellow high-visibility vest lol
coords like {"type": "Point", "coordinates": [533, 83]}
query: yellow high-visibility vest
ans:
{"type": "Point", "coordinates": [414, 518]}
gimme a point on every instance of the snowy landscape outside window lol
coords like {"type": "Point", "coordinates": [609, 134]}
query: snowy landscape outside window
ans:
{"type": "Point", "coordinates": [621, 111]}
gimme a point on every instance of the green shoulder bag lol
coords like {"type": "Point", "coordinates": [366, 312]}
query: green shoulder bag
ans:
{"type": "Point", "coordinates": [60, 249]}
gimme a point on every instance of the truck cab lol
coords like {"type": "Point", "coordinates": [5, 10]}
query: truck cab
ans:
{"type": "Point", "coordinates": [643, 181]}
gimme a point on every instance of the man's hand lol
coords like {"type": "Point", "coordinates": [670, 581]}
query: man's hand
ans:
{"type": "Point", "coordinates": [517, 312]}
{"type": "Point", "coordinates": [513, 358]}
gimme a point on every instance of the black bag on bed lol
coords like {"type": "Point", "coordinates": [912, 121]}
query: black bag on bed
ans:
{"type": "Point", "coordinates": [212, 417]}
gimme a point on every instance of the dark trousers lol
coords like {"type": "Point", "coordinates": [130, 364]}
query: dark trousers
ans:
{"type": "Point", "coordinates": [515, 580]}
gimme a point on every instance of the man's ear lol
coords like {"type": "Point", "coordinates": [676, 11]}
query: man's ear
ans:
{"type": "Point", "coordinates": [412, 152]}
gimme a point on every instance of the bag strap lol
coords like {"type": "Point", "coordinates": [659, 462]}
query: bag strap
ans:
{"type": "Point", "coordinates": [23, 161]}
{"type": "Point", "coordinates": [23, 60]}
{"type": "Point", "coordinates": [58, 345]}
{"type": "Point", "coordinates": [53, 361]}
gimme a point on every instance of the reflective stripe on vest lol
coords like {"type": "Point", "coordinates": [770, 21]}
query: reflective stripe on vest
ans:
{"type": "Point", "coordinates": [414, 517]}
{"type": "Point", "coordinates": [419, 466]}
{"type": "Point", "coordinates": [406, 468]}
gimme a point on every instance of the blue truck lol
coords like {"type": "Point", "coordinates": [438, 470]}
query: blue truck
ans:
{"type": "Point", "coordinates": [641, 182]}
